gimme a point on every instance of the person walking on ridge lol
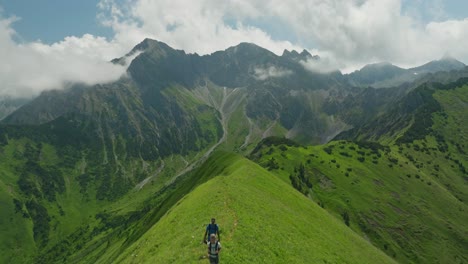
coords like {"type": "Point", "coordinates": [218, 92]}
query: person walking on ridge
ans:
{"type": "Point", "coordinates": [214, 246]}
{"type": "Point", "coordinates": [211, 228]}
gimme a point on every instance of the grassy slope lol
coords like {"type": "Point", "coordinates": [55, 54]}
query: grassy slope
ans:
{"type": "Point", "coordinates": [17, 239]}
{"type": "Point", "coordinates": [20, 242]}
{"type": "Point", "coordinates": [70, 231]}
{"type": "Point", "coordinates": [262, 219]}
{"type": "Point", "coordinates": [407, 216]}
{"type": "Point", "coordinates": [410, 200]}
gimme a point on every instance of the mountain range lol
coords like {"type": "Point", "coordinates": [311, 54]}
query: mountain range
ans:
{"type": "Point", "coordinates": [385, 74]}
{"type": "Point", "coordinates": [100, 173]}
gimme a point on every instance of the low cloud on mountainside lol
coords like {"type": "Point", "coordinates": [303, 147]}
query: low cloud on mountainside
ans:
{"type": "Point", "coordinates": [326, 64]}
{"type": "Point", "coordinates": [263, 73]}
{"type": "Point", "coordinates": [345, 34]}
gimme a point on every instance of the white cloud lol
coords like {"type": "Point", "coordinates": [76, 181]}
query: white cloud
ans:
{"type": "Point", "coordinates": [323, 65]}
{"type": "Point", "coordinates": [194, 26]}
{"type": "Point", "coordinates": [357, 32]}
{"type": "Point", "coordinates": [29, 68]}
{"type": "Point", "coordinates": [263, 73]}
{"type": "Point", "coordinates": [347, 34]}
{"type": "Point", "coordinates": [450, 36]}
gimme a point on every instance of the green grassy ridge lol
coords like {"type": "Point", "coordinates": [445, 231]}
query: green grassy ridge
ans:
{"type": "Point", "coordinates": [399, 204]}
{"type": "Point", "coordinates": [262, 220]}
{"type": "Point", "coordinates": [124, 221]}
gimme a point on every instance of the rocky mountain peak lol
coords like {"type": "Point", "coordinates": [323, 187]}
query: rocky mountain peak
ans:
{"type": "Point", "coordinates": [296, 56]}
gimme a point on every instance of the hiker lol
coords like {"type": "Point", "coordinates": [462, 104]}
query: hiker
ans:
{"type": "Point", "coordinates": [214, 246]}
{"type": "Point", "coordinates": [211, 229]}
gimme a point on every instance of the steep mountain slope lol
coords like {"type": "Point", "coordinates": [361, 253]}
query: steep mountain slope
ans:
{"type": "Point", "coordinates": [149, 128]}
{"type": "Point", "coordinates": [262, 219]}
{"type": "Point", "coordinates": [406, 194]}
{"type": "Point", "coordinates": [398, 201]}
{"type": "Point", "coordinates": [281, 96]}
{"type": "Point", "coordinates": [409, 118]}
{"type": "Point", "coordinates": [59, 177]}
{"type": "Point", "coordinates": [9, 104]}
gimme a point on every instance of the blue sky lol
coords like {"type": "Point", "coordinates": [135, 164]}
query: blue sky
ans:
{"type": "Point", "coordinates": [452, 9]}
{"type": "Point", "coordinates": [52, 20]}
{"type": "Point", "coordinates": [39, 38]}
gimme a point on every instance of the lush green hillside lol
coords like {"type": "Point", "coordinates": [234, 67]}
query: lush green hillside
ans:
{"type": "Point", "coordinates": [262, 219]}
{"type": "Point", "coordinates": [58, 201]}
{"type": "Point", "coordinates": [409, 199]}
{"type": "Point", "coordinates": [402, 209]}
{"type": "Point", "coordinates": [408, 118]}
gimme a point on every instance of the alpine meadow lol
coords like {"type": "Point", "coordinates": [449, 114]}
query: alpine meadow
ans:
{"type": "Point", "coordinates": [297, 165]}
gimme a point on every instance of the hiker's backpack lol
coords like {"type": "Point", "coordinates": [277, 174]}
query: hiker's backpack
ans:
{"type": "Point", "coordinates": [212, 229]}
{"type": "Point", "coordinates": [209, 248]}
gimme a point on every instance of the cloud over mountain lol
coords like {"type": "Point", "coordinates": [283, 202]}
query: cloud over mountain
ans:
{"type": "Point", "coordinates": [263, 73]}
{"type": "Point", "coordinates": [27, 69]}
{"type": "Point", "coordinates": [345, 34]}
